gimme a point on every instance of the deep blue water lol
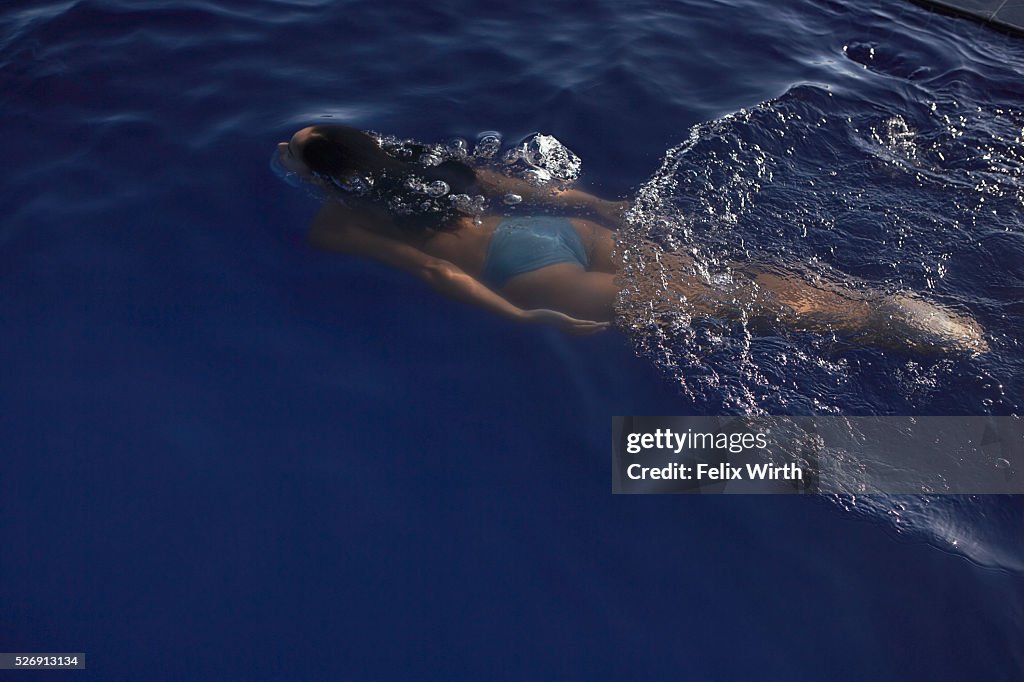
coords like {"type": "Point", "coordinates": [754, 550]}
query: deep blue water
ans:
{"type": "Point", "coordinates": [228, 456]}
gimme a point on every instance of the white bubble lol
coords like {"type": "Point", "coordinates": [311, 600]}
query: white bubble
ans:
{"type": "Point", "coordinates": [457, 147]}
{"type": "Point", "coordinates": [430, 158]}
{"type": "Point", "coordinates": [546, 153]}
{"type": "Point", "coordinates": [487, 146]}
{"type": "Point", "coordinates": [512, 156]}
{"type": "Point", "coordinates": [398, 206]}
{"type": "Point", "coordinates": [438, 188]}
{"type": "Point", "coordinates": [474, 205]}
{"type": "Point", "coordinates": [511, 199]}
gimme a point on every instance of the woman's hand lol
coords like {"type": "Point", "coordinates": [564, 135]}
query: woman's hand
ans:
{"type": "Point", "coordinates": [561, 321]}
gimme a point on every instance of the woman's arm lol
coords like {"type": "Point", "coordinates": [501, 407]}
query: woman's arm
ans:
{"type": "Point", "coordinates": [452, 281]}
{"type": "Point", "coordinates": [611, 213]}
{"type": "Point", "coordinates": [443, 276]}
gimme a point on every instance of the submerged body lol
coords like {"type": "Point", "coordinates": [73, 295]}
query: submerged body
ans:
{"type": "Point", "coordinates": [508, 265]}
{"type": "Point", "coordinates": [561, 269]}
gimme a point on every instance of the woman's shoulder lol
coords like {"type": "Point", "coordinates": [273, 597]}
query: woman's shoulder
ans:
{"type": "Point", "coordinates": [333, 214]}
{"type": "Point", "coordinates": [336, 219]}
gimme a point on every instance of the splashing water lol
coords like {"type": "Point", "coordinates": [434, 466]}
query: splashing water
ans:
{"type": "Point", "coordinates": [541, 159]}
{"type": "Point", "coordinates": [825, 195]}
{"type": "Point", "coordinates": [829, 189]}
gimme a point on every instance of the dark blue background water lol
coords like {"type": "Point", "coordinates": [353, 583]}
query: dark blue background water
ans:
{"type": "Point", "coordinates": [227, 456]}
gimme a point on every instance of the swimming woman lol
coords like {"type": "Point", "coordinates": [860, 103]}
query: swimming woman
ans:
{"type": "Point", "coordinates": [403, 205]}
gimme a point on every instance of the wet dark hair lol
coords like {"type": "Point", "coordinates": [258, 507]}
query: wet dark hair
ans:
{"type": "Point", "coordinates": [358, 168]}
{"type": "Point", "coordinates": [336, 151]}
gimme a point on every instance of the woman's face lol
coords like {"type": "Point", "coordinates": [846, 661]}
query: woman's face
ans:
{"type": "Point", "coordinates": [289, 153]}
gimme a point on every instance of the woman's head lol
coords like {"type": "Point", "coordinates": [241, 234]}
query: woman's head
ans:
{"type": "Point", "coordinates": [335, 154]}
{"type": "Point", "coordinates": [408, 179]}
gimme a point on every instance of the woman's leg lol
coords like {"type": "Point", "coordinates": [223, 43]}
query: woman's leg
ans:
{"type": "Point", "coordinates": [901, 320]}
{"type": "Point", "coordinates": [819, 305]}
{"type": "Point", "coordinates": [761, 294]}
{"type": "Point", "coordinates": [758, 294]}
